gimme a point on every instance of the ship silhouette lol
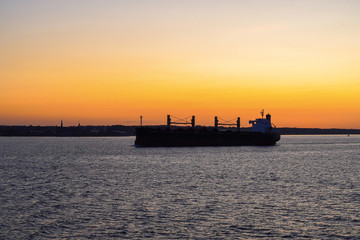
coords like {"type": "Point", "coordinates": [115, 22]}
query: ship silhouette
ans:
{"type": "Point", "coordinates": [262, 133]}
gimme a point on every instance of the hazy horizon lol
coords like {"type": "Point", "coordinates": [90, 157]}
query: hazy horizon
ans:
{"type": "Point", "coordinates": [150, 125]}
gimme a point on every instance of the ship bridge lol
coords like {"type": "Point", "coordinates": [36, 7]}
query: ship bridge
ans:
{"type": "Point", "coordinates": [262, 124]}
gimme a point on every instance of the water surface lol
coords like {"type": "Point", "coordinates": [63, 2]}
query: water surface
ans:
{"type": "Point", "coordinates": [103, 188]}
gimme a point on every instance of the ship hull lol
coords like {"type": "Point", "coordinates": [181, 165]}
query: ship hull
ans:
{"type": "Point", "coordinates": [188, 137]}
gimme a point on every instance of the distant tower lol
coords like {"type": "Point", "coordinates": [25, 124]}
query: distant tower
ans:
{"type": "Point", "coordinates": [140, 120]}
{"type": "Point", "coordinates": [61, 125]}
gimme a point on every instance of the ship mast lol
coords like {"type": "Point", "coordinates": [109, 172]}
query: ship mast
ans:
{"type": "Point", "coordinates": [183, 121]}
{"type": "Point", "coordinates": [227, 123]}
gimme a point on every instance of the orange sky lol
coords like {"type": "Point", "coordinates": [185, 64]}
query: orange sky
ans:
{"type": "Point", "coordinates": [106, 62]}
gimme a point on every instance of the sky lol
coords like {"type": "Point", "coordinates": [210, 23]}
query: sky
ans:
{"type": "Point", "coordinates": [108, 62]}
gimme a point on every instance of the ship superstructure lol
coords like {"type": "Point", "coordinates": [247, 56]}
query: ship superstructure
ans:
{"type": "Point", "coordinates": [262, 124]}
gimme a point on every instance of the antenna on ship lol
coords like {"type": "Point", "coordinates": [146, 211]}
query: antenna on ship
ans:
{"type": "Point", "coordinates": [262, 114]}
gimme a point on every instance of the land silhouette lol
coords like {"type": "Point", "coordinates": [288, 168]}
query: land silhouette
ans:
{"type": "Point", "coordinates": [122, 130]}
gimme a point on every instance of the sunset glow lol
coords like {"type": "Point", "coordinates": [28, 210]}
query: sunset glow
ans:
{"type": "Point", "coordinates": [108, 62]}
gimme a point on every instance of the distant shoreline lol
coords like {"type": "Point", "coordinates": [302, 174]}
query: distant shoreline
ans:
{"type": "Point", "coordinates": [121, 130]}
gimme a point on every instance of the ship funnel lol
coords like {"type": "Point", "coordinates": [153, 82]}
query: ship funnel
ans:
{"type": "Point", "coordinates": [268, 117]}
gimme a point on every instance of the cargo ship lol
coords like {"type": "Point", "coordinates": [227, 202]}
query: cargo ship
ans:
{"type": "Point", "coordinates": [262, 133]}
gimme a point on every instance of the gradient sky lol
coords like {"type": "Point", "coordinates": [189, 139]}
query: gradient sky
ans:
{"type": "Point", "coordinates": [108, 62]}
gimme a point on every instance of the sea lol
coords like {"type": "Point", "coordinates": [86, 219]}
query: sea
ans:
{"type": "Point", "coordinates": [305, 187]}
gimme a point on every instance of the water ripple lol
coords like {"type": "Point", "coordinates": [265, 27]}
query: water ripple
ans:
{"type": "Point", "coordinates": [306, 187]}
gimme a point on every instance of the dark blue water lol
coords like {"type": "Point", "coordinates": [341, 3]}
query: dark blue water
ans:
{"type": "Point", "coordinates": [306, 187]}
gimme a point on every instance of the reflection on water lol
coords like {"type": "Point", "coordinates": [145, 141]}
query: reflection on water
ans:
{"type": "Point", "coordinates": [80, 188]}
